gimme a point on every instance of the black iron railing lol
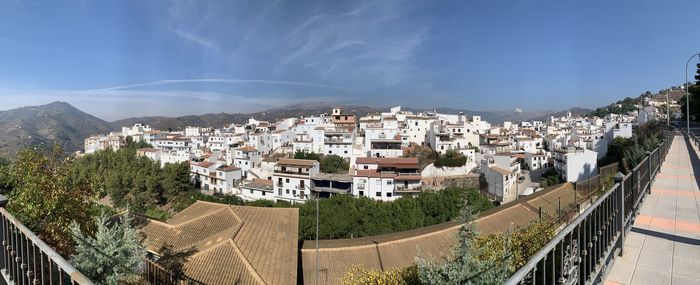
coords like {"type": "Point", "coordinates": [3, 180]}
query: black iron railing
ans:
{"type": "Point", "coordinates": [26, 259]}
{"type": "Point", "coordinates": [581, 251]}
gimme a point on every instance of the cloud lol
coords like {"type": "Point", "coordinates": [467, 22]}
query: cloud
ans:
{"type": "Point", "coordinates": [199, 40]}
{"type": "Point", "coordinates": [229, 81]}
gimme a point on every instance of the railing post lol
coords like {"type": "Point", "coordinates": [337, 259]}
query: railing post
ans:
{"type": "Point", "coordinates": [3, 237]}
{"type": "Point", "coordinates": [620, 180]}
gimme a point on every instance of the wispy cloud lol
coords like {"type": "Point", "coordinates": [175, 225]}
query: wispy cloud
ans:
{"type": "Point", "coordinates": [199, 40]}
{"type": "Point", "coordinates": [229, 81]}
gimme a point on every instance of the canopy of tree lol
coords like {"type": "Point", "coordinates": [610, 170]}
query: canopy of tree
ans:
{"type": "Point", "coordinates": [630, 152]}
{"type": "Point", "coordinates": [47, 199]}
{"type": "Point", "coordinates": [451, 158]}
{"type": "Point", "coordinates": [343, 216]}
{"type": "Point", "coordinates": [136, 183]}
{"type": "Point", "coordinates": [694, 102]}
{"type": "Point", "coordinates": [328, 163]}
{"type": "Point", "coordinates": [549, 178]}
{"type": "Point", "coordinates": [620, 107]}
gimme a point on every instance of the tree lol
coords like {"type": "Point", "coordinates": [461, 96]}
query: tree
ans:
{"type": "Point", "coordinates": [113, 256]}
{"type": "Point", "coordinates": [360, 275]}
{"type": "Point", "coordinates": [47, 200]}
{"type": "Point", "coordinates": [465, 266]}
{"type": "Point", "coordinates": [334, 164]}
{"type": "Point", "coordinates": [299, 154]}
{"type": "Point", "coordinates": [5, 179]}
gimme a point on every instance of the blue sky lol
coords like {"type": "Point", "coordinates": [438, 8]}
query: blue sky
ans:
{"type": "Point", "coordinates": [118, 59]}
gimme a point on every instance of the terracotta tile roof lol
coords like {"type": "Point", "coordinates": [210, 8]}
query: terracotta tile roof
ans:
{"type": "Point", "coordinates": [247, 149]}
{"type": "Point", "coordinates": [231, 244]}
{"type": "Point", "coordinates": [398, 250]}
{"type": "Point", "coordinates": [227, 168]}
{"type": "Point", "coordinates": [396, 162]}
{"type": "Point", "coordinates": [300, 162]}
{"type": "Point", "coordinates": [205, 164]}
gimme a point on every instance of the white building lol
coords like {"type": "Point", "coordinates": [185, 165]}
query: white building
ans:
{"type": "Point", "coordinates": [386, 179]}
{"type": "Point", "coordinates": [292, 179]}
{"type": "Point", "coordinates": [575, 163]}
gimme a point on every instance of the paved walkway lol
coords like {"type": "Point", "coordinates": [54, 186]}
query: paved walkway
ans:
{"type": "Point", "coordinates": [663, 246]}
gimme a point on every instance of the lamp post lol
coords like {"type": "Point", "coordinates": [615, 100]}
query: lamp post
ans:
{"type": "Point", "coordinates": [687, 93]}
{"type": "Point", "coordinates": [311, 190]}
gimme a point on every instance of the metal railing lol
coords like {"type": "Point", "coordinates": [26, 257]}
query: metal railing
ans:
{"type": "Point", "coordinates": [26, 259]}
{"type": "Point", "coordinates": [582, 250]}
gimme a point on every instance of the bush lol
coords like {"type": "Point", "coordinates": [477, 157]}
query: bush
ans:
{"type": "Point", "coordinates": [334, 164]}
{"type": "Point", "coordinates": [344, 216]}
{"type": "Point", "coordinates": [451, 158]}
{"type": "Point", "coordinates": [307, 155]}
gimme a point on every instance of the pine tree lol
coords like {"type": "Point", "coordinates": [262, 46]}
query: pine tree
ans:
{"type": "Point", "coordinates": [465, 266]}
{"type": "Point", "coordinates": [113, 256]}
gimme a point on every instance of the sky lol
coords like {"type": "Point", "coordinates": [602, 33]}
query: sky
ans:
{"type": "Point", "coordinates": [119, 59]}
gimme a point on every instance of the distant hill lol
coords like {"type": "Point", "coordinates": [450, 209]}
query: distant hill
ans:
{"type": "Point", "coordinates": [575, 111]}
{"type": "Point", "coordinates": [674, 93]}
{"type": "Point", "coordinates": [314, 109]}
{"type": "Point", "coordinates": [43, 125]}
{"type": "Point", "coordinates": [223, 119]}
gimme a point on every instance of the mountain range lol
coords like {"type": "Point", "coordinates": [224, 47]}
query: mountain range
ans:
{"type": "Point", "coordinates": [60, 122]}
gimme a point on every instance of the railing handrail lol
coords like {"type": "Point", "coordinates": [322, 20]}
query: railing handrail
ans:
{"type": "Point", "coordinates": [50, 253]}
{"type": "Point", "coordinates": [544, 251]}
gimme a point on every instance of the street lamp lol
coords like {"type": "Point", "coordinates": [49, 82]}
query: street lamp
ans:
{"type": "Point", "coordinates": [311, 190]}
{"type": "Point", "coordinates": [687, 93]}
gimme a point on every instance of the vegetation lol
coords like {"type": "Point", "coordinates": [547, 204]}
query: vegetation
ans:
{"type": "Point", "coordinates": [5, 178]}
{"type": "Point", "coordinates": [113, 256]}
{"type": "Point", "coordinates": [486, 258]}
{"type": "Point", "coordinates": [694, 102]}
{"type": "Point", "coordinates": [334, 164]}
{"type": "Point", "coordinates": [465, 266]}
{"type": "Point", "coordinates": [425, 155]}
{"type": "Point", "coordinates": [136, 183]}
{"type": "Point", "coordinates": [307, 155]}
{"type": "Point", "coordinates": [328, 163]}
{"type": "Point", "coordinates": [620, 107]}
{"type": "Point", "coordinates": [451, 158]}
{"type": "Point", "coordinates": [630, 152]}
{"type": "Point", "coordinates": [360, 275]}
{"type": "Point", "coordinates": [47, 199]}
{"type": "Point", "coordinates": [549, 178]}
{"type": "Point", "coordinates": [343, 216]}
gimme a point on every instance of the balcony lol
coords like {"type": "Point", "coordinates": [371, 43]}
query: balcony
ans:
{"type": "Point", "coordinates": [26, 259]}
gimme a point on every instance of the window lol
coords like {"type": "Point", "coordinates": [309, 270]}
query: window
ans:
{"type": "Point", "coordinates": [287, 180]}
{"type": "Point", "coordinates": [365, 167]}
{"type": "Point", "coordinates": [301, 184]}
{"type": "Point", "coordinates": [388, 194]}
{"type": "Point", "coordinates": [294, 192]}
{"type": "Point", "coordinates": [279, 192]}
{"type": "Point", "coordinates": [263, 193]}
{"type": "Point", "coordinates": [251, 191]}
{"type": "Point", "coordinates": [346, 152]}
{"type": "Point", "coordinates": [287, 191]}
{"type": "Point", "coordinates": [378, 194]}
{"type": "Point", "coordinates": [279, 182]}
{"type": "Point", "coordinates": [388, 182]}
{"type": "Point", "coordinates": [362, 193]}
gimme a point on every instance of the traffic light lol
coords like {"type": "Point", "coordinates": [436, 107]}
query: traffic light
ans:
{"type": "Point", "coordinates": [697, 76]}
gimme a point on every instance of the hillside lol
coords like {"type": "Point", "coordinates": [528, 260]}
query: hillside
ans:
{"type": "Point", "coordinates": [575, 111]}
{"type": "Point", "coordinates": [222, 119]}
{"type": "Point", "coordinates": [43, 125]}
{"type": "Point", "coordinates": [314, 109]}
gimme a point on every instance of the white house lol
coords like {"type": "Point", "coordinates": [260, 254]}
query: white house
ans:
{"type": "Point", "coordinates": [574, 163]}
{"type": "Point", "coordinates": [386, 179]}
{"type": "Point", "coordinates": [292, 179]}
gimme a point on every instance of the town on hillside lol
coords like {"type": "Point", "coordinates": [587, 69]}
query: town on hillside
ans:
{"type": "Point", "coordinates": [385, 156]}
